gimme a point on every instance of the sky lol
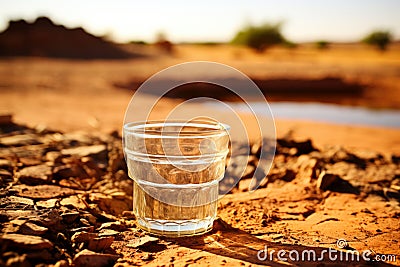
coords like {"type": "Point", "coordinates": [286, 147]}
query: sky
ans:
{"type": "Point", "coordinates": [208, 20]}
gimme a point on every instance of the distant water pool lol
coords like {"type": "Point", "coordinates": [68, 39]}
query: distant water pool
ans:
{"type": "Point", "coordinates": [324, 113]}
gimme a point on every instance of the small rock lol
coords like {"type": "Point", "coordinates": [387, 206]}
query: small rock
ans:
{"type": "Point", "coordinates": [237, 166]}
{"type": "Point", "coordinates": [84, 222]}
{"type": "Point", "coordinates": [308, 167]}
{"type": "Point", "coordinates": [116, 161]}
{"type": "Point", "coordinates": [96, 151]}
{"type": "Point", "coordinates": [110, 205]}
{"type": "Point", "coordinates": [5, 175]}
{"type": "Point", "coordinates": [302, 147]}
{"type": "Point", "coordinates": [89, 229]}
{"type": "Point", "coordinates": [128, 214]}
{"type": "Point", "coordinates": [287, 175]}
{"type": "Point", "coordinates": [77, 183]}
{"type": "Point", "coordinates": [391, 193]}
{"type": "Point", "coordinates": [20, 200]}
{"type": "Point", "coordinates": [121, 175]}
{"type": "Point", "coordinates": [30, 161]}
{"type": "Point", "coordinates": [53, 156]}
{"type": "Point", "coordinates": [40, 255]}
{"type": "Point", "coordinates": [79, 137]}
{"type": "Point", "coordinates": [69, 170]}
{"type": "Point", "coordinates": [326, 179]}
{"type": "Point", "coordinates": [395, 159]}
{"type": "Point", "coordinates": [61, 263]}
{"type": "Point", "coordinates": [118, 195]}
{"type": "Point", "coordinates": [108, 232]}
{"type": "Point", "coordinates": [5, 119]}
{"type": "Point", "coordinates": [338, 154]}
{"type": "Point", "coordinates": [29, 228]}
{"type": "Point", "coordinates": [19, 260]}
{"type": "Point", "coordinates": [90, 218]}
{"type": "Point", "coordinates": [365, 210]}
{"type": "Point", "coordinates": [140, 241]}
{"type": "Point", "coordinates": [256, 148]}
{"type": "Point", "coordinates": [19, 140]}
{"type": "Point", "coordinates": [48, 204]}
{"type": "Point", "coordinates": [117, 226]}
{"type": "Point", "coordinates": [221, 225]}
{"type": "Point", "coordinates": [91, 167]}
{"type": "Point", "coordinates": [284, 174]}
{"type": "Point", "coordinates": [73, 202]}
{"type": "Point", "coordinates": [6, 215]}
{"type": "Point", "coordinates": [335, 183]}
{"type": "Point", "coordinates": [70, 217]}
{"type": "Point", "coordinates": [43, 191]}
{"type": "Point", "coordinates": [34, 175]}
{"type": "Point", "coordinates": [149, 257]}
{"type": "Point", "coordinates": [13, 226]}
{"type": "Point", "coordinates": [51, 219]}
{"type": "Point", "coordinates": [87, 258]}
{"type": "Point", "coordinates": [28, 242]}
{"type": "Point", "coordinates": [244, 185]}
{"type": "Point", "coordinates": [264, 222]}
{"type": "Point", "coordinates": [83, 237]}
{"type": "Point", "coordinates": [5, 164]}
{"type": "Point", "coordinates": [18, 222]}
{"type": "Point", "coordinates": [297, 209]}
{"type": "Point", "coordinates": [249, 171]}
{"type": "Point", "coordinates": [100, 243]}
{"type": "Point", "coordinates": [276, 236]}
{"type": "Point", "coordinates": [238, 148]}
{"type": "Point", "coordinates": [395, 184]}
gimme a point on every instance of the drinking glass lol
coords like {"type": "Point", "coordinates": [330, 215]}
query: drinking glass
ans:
{"type": "Point", "coordinates": [176, 167]}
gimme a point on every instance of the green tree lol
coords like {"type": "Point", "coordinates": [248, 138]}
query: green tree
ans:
{"type": "Point", "coordinates": [380, 39]}
{"type": "Point", "coordinates": [260, 37]}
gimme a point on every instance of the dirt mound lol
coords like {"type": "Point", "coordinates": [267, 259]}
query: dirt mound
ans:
{"type": "Point", "coordinates": [45, 39]}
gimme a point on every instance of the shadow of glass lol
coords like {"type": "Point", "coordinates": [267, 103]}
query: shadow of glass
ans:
{"type": "Point", "coordinates": [237, 244]}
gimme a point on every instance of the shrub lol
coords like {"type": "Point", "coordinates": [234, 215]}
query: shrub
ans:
{"type": "Point", "coordinates": [260, 37]}
{"type": "Point", "coordinates": [322, 44]}
{"type": "Point", "coordinates": [138, 42]}
{"type": "Point", "coordinates": [380, 39]}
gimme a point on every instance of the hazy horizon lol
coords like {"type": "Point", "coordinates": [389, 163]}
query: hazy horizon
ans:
{"type": "Point", "coordinates": [208, 21]}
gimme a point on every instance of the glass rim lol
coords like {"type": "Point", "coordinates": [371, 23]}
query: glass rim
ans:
{"type": "Point", "coordinates": [141, 127]}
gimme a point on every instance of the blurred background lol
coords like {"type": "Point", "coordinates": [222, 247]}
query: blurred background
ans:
{"type": "Point", "coordinates": [74, 65]}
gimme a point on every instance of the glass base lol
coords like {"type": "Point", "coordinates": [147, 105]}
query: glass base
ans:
{"type": "Point", "coordinates": [176, 228]}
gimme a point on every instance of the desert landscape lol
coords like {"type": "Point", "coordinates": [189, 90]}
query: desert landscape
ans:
{"type": "Point", "coordinates": [66, 198]}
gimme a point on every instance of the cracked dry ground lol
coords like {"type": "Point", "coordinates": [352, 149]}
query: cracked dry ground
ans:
{"type": "Point", "coordinates": [66, 200]}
